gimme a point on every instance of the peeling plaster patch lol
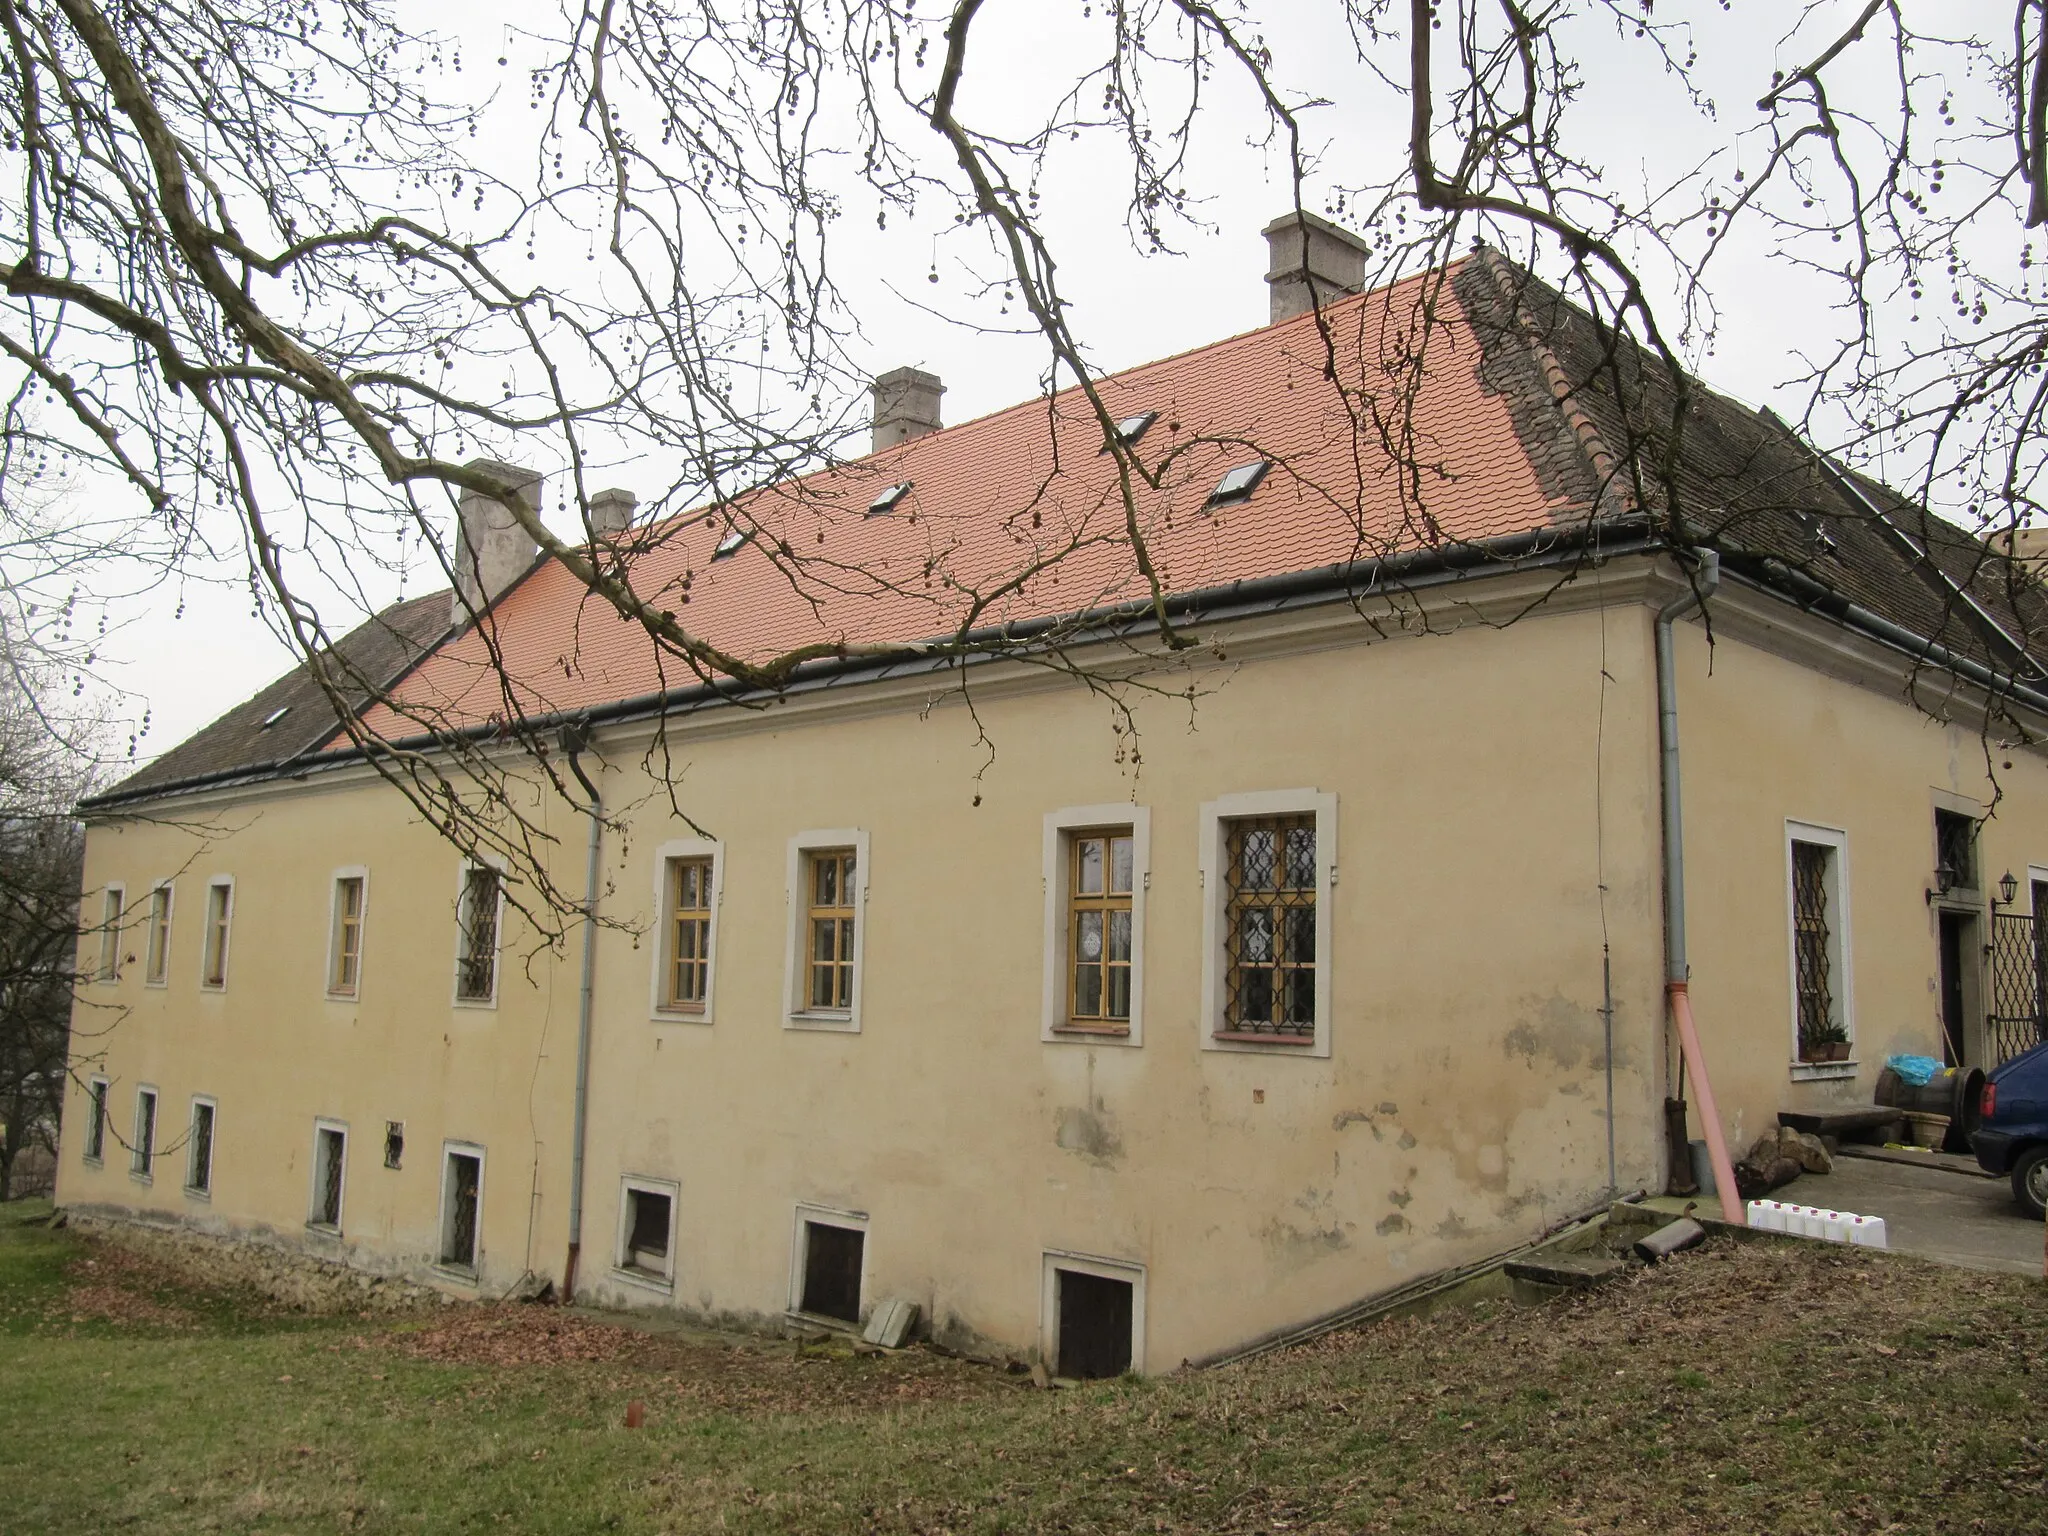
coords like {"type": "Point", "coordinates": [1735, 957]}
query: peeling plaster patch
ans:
{"type": "Point", "coordinates": [1392, 1224]}
{"type": "Point", "coordinates": [1407, 1143]}
{"type": "Point", "coordinates": [1389, 1108]}
{"type": "Point", "coordinates": [1399, 1197]}
{"type": "Point", "coordinates": [1092, 1133]}
{"type": "Point", "coordinates": [1493, 1165]}
{"type": "Point", "coordinates": [1452, 1227]}
{"type": "Point", "coordinates": [1297, 1246]}
{"type": "Point", "coordinates": [1362, 1117]}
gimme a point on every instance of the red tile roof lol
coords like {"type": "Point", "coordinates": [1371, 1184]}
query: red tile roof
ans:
{"type": "Point", "coordinates": [991, 497]}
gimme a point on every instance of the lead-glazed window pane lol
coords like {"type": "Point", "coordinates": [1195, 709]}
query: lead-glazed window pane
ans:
{"type": "Point", "coordinates": [1270, 927]}
{"type": "Point", "coordinates": [1100, 873]}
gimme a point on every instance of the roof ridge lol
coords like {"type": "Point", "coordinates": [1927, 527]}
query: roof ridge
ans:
{"type": "Point", "coordinates": [1585, 431]}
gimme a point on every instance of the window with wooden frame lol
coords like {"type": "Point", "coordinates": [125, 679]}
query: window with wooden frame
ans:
{"type": "Point", "coordinates": [345, 942]}
{"type": "Point", "coordinates": [220, 913]}
{"type": "Point", "coordinates": [476, 960]}
{"type": "Point", "coordinates": [1270, 928]}
{"type": "Point", "coordinates": [156, 966]}
{"type": "Point", "coordinates": [829, 884]}
{"type": "Point", "coordinates": [96, 1120]}
{"type": "Point", "coordinates": [687, 969]}
{"type": "Point", "coordinates": [111, 905]}
{"type": "Point", "coordinates": [1269, 863]}
{"type": "Point", "coordinates": [646, 1237]}
{"type": "Point", "coordinates": [1101, 876]}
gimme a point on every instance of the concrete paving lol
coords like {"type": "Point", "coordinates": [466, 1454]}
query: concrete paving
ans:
{"type": "Point", "coordinates": [1939, 1213]}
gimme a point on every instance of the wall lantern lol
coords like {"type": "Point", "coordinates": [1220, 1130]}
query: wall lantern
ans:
{"type": "Point", "coordinates": [2008, 888]}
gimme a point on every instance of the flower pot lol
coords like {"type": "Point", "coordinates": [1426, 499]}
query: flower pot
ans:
{"type": "Point", "coordinates": [1838, 1050]}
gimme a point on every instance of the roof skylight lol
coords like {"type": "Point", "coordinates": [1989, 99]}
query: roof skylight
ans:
{"type": "Point", "coordinates": [730, 544]}
{"type": "Point", "coordinates": [273, 717]}
{"type": "Point", "coordinates": [1237, 484]}
{"type": "Point", "coordinates": [1131, 428]}
{"type": "Point", "coordinates": [886, 502]}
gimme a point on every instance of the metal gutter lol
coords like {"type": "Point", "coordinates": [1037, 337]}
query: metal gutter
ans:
{"type": "Point", "coordinates": [575, 739]}
{"type": "Point", "coordinates": [1677, 991]}
{"type": "Point", "coordinates": [1411, 570]}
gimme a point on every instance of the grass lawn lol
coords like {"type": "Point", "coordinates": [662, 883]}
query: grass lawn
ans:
{"type": "Point", "coordinates": [1740, 1388]}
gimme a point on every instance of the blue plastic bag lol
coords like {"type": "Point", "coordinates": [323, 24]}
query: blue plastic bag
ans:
{"type": "Point", "coordinates": [1917, 1070]}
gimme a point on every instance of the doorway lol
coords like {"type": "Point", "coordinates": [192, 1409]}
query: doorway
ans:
{"type": "Point", "coordinates": [1958, 931]}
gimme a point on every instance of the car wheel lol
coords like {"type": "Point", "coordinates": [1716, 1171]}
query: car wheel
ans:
{"type": "Point", "coordinates": [2030, 1181]}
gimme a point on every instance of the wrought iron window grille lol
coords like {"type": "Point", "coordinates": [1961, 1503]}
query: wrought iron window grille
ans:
{"type": "Point", "coordinates": [1270, 928]}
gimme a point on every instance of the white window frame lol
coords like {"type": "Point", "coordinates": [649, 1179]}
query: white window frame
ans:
{"type": "Point", "coordinates": [348, 872]}
{"type": "Point", "coordinates": [199, 1100]}
{"type": "Point", "coordinates": [1056, 851]}
{"type": "Point", "coordinates": [1841, 962]}
{"type": "Point", "coordinates": [629, 1185]}
{"type": "Point", "coordinates": [796, 948]}
{"type": "Point", "coordinates": [106, 968]}
{"type": "Point", "coordinates": [799, 1254]}
{"type": "Point", "coordinates": [1127, 1270]}
{"type": "Point", "coordinates": [98, 1100]}
{"type": "Point", "coordinates": [461, 936]}
{"type": "Point", "coordinates": [1214, 866]}
{"type": "Point", "coordinates": [690, 848]}
{"type": "Point", "coordinates": [450, 1150]}
{"type": "Point", "coordinates": [144, 1172]}
{"type": "Point", "coordinates": [227, 933]}
{"type": "Point", "coordinates": [170, 894]}
{"type": "Point", "coordinates": [322, 1123]}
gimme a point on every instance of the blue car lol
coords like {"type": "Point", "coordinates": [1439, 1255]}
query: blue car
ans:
{"type": "Point", "coordinates": [2012, 1135]}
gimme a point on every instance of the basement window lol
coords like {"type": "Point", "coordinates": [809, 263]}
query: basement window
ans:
{"type": "Point", "coordinates": [199, 1151]}
{"type": "Point", "coordinates": [647, 1230]}
{"type": "Point", "coordinates": [730, 544]}
{"type": "Point", "coordinates": [394, 1143]}
{"type": "Point", "coordinates": [831, 1249]}
{"type": "Point", "coordinates": [462, 1178]}
{"type": "Point", "coordinates": [1131, 428]}
{"type": "Point", "coordinates": [1237, 484]}
{"type": "Point", "coordinates": [886, 503]}
{"type": "Point", "coordinates": [1094, 1323]}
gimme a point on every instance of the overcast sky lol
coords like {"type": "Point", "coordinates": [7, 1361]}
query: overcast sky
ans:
{"type": "Point", "coordinates": [1129, 308]}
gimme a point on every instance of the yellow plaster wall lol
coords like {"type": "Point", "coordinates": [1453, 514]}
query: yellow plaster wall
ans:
{"type": "Point", "coordinates": [1461, 1108]}
{"type": "Point", "coordinates": [1766, 739]}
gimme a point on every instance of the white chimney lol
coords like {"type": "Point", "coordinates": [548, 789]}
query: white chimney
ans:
{"type": "Point", "coordinates": [906, 406]}
{"type": "Point", "coordinates": [491, 549]}
{"type": "Point", "coordinates": [612, 511]}
{"type": "Point", "coordinates": [1306, 254]}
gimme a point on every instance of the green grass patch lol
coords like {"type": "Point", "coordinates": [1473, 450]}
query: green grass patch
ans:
{"type": "Point", "coordinates": [1743, 1387]}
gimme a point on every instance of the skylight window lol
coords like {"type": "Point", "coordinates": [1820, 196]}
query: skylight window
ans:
{"type": "Point", "coordinates": [1237, 484]}
{"type": "Point", "coordinates": [730, 544]}
{"type": "Point", "coordinates": [885, 503]}
{"type": "Point", "coordinates": [273, 717]}
{"type": "Point", "coordinates": [1131, 428]}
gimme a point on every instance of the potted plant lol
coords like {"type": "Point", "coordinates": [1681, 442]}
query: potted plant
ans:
{"type": "Point", "coordinates": [1836, 1040]}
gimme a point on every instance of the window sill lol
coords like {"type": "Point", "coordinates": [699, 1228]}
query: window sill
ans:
{"type": "Point", "coordinates": [135, 1177]}
{"type": "Point", "coordinates": [1089, 1034]}
{"type": "Point", "coordinates": [193, 1192]}
{"type": "Point", "coordinates": [461, 1274]}
{"type": "Point", "coordinates": [92, 1162]}
{"type": "Point", "coordinates": [213, 986]}
{"type": "Point", "coordinates": [323, 1229]}
{"type": "Point", "coordinates": [1244, 1037]}
{"type": "Point", "coordinates": [840, 1023]}
{"type": "Point", "coordinates": [342, 997]}
{"type": "Point", "coordinates": [157, 986]}
{"type": "Point", "coordinates": [644, 1278]}
{"type": "Point", "coordinates": [1823, 1071]}
{"type": "Point", "coordinates": [679, 1016]}
{"type": "Point", "coordinates": [476, 1004]}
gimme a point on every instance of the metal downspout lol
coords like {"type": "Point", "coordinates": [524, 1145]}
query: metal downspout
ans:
{"type": "Point", "coordinates": [575, 738]}
{"type": "Point", "coordinates": [1675, 966]}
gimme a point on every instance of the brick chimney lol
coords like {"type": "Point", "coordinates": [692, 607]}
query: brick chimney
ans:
{"type": "Point", "coordinates": [906, 406]}
{"type": "Point", "coordinates": [612, 511]}
{"type": "Point", "coordinates": [491, 550]}
{"type": "Point", "coordinates": [1333, 261]}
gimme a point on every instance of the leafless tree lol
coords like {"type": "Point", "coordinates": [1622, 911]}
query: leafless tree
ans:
{"type": "Point", "coordinates": [289, 265]}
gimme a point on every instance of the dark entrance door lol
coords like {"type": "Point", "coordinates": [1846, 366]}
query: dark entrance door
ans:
{"type": "Point", "coordinates": [1955, 936]}
{"type": "Point", "coordinates": [1095, 1325]}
